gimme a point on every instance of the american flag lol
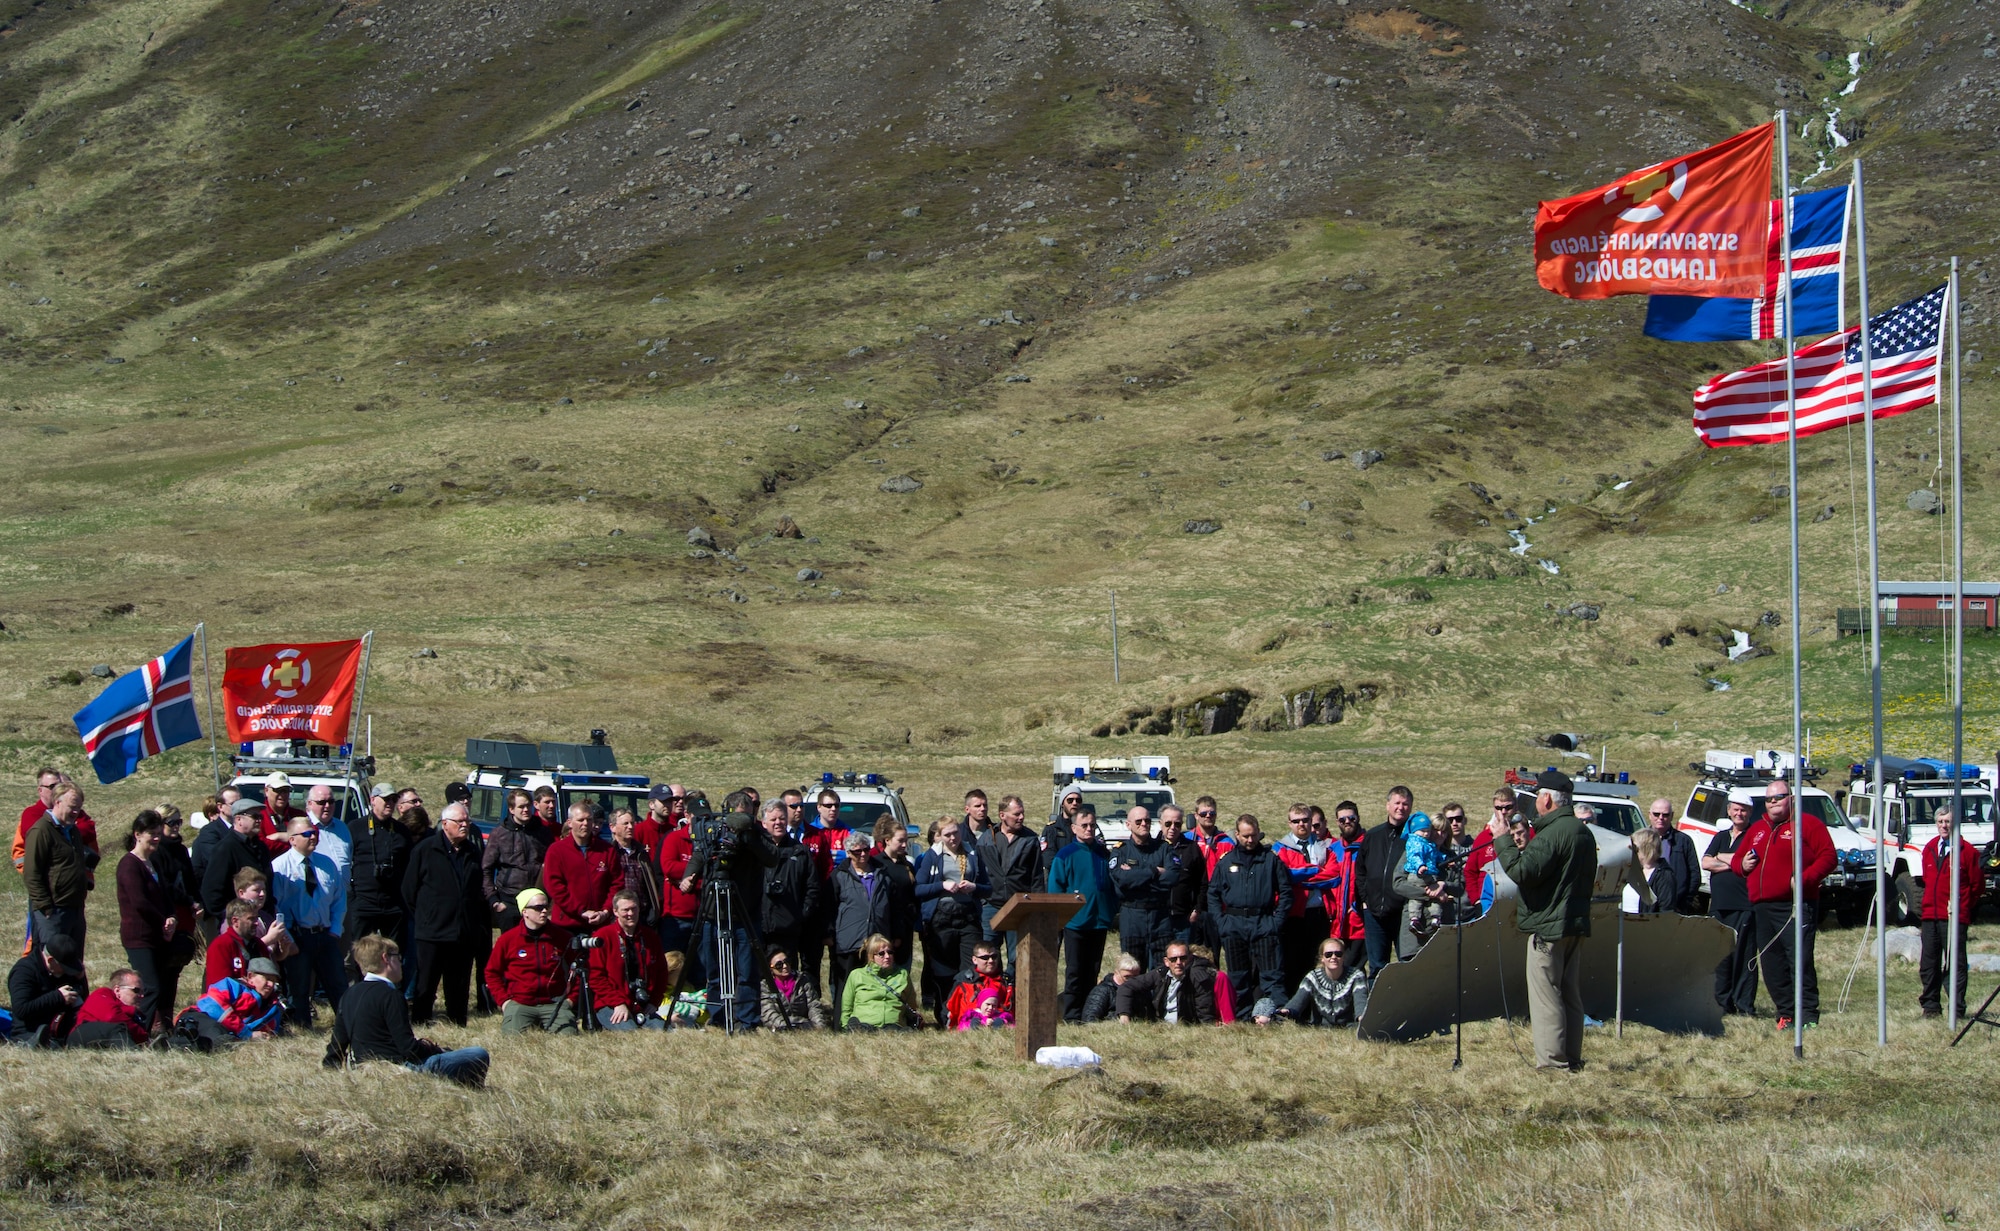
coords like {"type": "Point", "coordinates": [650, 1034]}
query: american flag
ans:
{"type": "Point", "coordinates": [141, 714]}
{"type": "Point", "coordinates": [1748, 407]}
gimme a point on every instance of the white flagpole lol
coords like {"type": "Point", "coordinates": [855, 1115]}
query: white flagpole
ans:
{"type": "Point", "coordinates": [1952, 945]}
{"type": "Point", "coordinates": [360, 699]}
{"type": "Point", "coordinates": [208, 694]}
{"type": "Point", "coordinates": [1878, 809]}
{"type": "Point", "coordinates": [1798, 695]}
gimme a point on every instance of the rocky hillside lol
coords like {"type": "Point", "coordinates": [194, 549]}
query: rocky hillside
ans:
{"type": "Point", "coordinates": [525, 324]}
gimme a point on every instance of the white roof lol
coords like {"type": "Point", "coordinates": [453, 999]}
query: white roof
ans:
{"type": "Point", "coordinates": [1941, 589]}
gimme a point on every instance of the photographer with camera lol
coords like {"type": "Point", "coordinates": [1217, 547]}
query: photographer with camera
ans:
{"type": "Point", "coordinates": [528, 972]}
{"type": "Point", "coordinates": [629, 980]}
{"type": "Point", "coordinates": [730, 856]}
{"type": "Point", "coordinates": [60, 868]}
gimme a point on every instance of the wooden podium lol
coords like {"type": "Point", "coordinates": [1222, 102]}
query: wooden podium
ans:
{"type": "Point", "coordinates": [1039, 918]}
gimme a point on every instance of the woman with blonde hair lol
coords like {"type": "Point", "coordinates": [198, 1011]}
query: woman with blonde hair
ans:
{"type": "Point", "coordinates": [878, 995]}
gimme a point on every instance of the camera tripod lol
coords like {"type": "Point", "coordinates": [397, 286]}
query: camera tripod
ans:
{"type": "Point", "coordinates": [721, 903]}
{"type": "Point", "coordinates": [576, 988]}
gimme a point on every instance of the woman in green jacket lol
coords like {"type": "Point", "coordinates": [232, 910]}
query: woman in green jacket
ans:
{"type": "Point", "coordinates": [879, 996]}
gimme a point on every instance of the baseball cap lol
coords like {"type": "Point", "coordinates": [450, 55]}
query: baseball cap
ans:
{"type": "Point", "coordinates": [382, 790]}
{"type": "Point", "coordinates": [66, 953]}
{"type": "Point", "coordinates": [264, 966]}
{"type": "Point", "coordinates": [660, 793]}
{"type": "Point", "coordinates": [1554, 780]}
{"type": "Point", "coordinates": [277, 781]}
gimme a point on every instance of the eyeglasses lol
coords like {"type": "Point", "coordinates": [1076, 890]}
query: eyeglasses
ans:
{"type": "Point", "coordinates": [305, 833]}
{"type": "Point", "coordinates": [129, 989]}
{"type": "Point", "coordinates": [778, 963]}
{"type": "Point", "coordinates": [794, 807]}
{"type": "Point", "coordinates": [985, 957]}
{"type": "Point", "coordinates": [1661, 814]}
{"type": "Point", "coordinates": [1456, 816]}
{"type": "Point", "coordinates": [1330, 953]}
{"type": "Point", "coordinates": [1199, 812]}
{"type": "Point", "coordinates": [824, 804]}
{"type": "Point", "coordinates": [1178, 958]}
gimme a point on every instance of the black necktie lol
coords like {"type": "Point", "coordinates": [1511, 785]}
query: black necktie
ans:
{"type": "Point", "coordinates": [312, 878]}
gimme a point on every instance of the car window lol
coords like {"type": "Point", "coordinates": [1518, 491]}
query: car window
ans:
{"type": "Point", "coordinates": [1618, 817]}
{"type": "Point", "coordinates": [1978, 808]}
{"type": "Point", "coordinates": [489, 805]}
{"type": "Point", "coordinates": [1117, 803]}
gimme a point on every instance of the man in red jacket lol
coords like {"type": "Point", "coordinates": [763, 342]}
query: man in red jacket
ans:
{"type": "Point", "coordinates": [1337, 883]}
{"type": "Point", "coordinates": [1764, 860]}
{"type": "Point", "coordinates": [528, 971]}
{"type": "Point", "coordinates": [234, 947]}
{"type": "Point", "coordinates": [581, 872]}
{"type": "Point", "coordinates": [628, 971]}
{"type": "Point", "coordinates": [274, 822]}
{"type": "Point", "coordinates": [1935, 926]}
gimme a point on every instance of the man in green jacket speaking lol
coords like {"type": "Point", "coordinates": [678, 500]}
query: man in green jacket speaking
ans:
{"type": "Point", "coordinates": [1556, 872]}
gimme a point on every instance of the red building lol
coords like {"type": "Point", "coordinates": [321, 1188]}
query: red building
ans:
{"type": "Point", "coordinates": [1927, 604]}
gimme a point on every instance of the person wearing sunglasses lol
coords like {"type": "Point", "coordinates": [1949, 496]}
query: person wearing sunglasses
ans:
{"type": "Point", "coordinates": [983, 982]}
{"type": "Point", "coordinates": [527, 974]}
{"type": "Point", "coordinates": [791, 1000]}
{"type": "Point", "coordinates": [1678, 853]}
{"type": "Point", "coordinates": [1181, 992]}
{"type": "Point", "coordinates": [311, 894]}
{"type": "Point", "coordinates": [1330, 994]}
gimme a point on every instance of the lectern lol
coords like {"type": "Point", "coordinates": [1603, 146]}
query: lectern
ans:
{"type": "Point", "coordinates": [1039, 918]}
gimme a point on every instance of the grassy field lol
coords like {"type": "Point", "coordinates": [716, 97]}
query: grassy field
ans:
{"type": "Point", "coordinates": [1227, 1127]}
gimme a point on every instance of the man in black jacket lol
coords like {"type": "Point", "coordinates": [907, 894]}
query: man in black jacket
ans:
{"type": "Point", "coordinates": [448, 913]}
{"type": "Point", "coordinates": [380, 857]}
{"type": "Point", "coordinates": [44, 990]}
{"type": "Point", "coordinates": [242, 847]}
{"type": "Point", "coordinates": [374, 1022]}
{"type": "Point", "coordinates": [1187, 900]}
{"type": "Point", "coordinates": [1380, 862]}
{"type": "Point", "coordinates": [1016, 864]}
{"type": "Point", "coordinates": [1249, 893]}
{"type": "Point", "coordinates": [1144, 871]}
{"type": "Point", "coordinates": [791, 887]}
{"type": "Point", "coordinates": [1181, 992]}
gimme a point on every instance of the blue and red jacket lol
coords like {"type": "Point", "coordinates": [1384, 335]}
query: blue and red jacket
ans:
{"type": "Point", "coordinates": [237, 1008]}
{"type": "Point", "coordinates": [1212, 848]}
{"type": "Point", "coordinates": [1338, 883]}
{"type": "Point", "coordinates": [1302, 869]}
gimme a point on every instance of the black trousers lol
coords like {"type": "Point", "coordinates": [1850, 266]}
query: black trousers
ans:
{"type": "Point", "coordinates": [1935, 934]}
{"type": "Point", "coordinates": [1774, 947]}
{"type": "Point", "coordinates": [1256, 964]}
{"type": "Point", "coordinates": [1736, 975]}
{"type": "Point", "coordinates": [368, 923]}
{"type": "Point", "coordinates": [1144, 932]}
{"type": "Point", "coordinates": [1083, 955]}
{"type": "Point", "coordinates": [840, 964]}
{"type": "Point", "coordinates": [452, 967]}
{"type": "Point", "coordinates": [159, 972]}
{"type": "Point", "coordinates": [948, 945]}
{"type": "Point", "coordinates": [1299, 940]}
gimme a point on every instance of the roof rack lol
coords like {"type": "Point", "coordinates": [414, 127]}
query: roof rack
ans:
{"type": "Point", "coordinates": [591, 758]}
{"type": "Point", "coordinates": [1749, 775]}
{"type": "Point", "coordinates": [311, 767]}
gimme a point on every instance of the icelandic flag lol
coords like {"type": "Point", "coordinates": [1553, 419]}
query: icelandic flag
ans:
{"type": "Point", "coordinates": [141, 714]}
{"type": "Point", "coordinates": [1819, 259]}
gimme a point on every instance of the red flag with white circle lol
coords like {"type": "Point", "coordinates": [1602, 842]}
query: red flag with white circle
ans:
{"type": "Point", "coordinates": [290, 690]}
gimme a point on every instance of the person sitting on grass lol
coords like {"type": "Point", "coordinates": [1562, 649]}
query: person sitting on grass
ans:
{"type": "Point", "coordinates": [983, 981]}
{"type": "Point", "coordinates": [878, 995]}
{"type": "Point", "coordinates": [109, 1016]}
{"type": "Point", "coordinates": [529, 971]}
{"type": "Point", "coordinates": [44, 989]}
{"type": "Point", "coordinates": [1102, 1001]}
{"type": "Point", "coordinates": [1326, 995]}
{"type": "Point", "coordinates": [628, 973]}
{"type": "Point", "coordinates": [687, 1007]}
{"type": "Point", "coordinates": [373, 1022]}
{"type": "Point", "coordinates": [1201, 963]}
{"type": "Point", "coordinates": [249, 1008]}
{"type": "Point", "coordinates": [790, 1000]}
{"type": "Point", "coordinates": [1181, 993]}
{"type": "Point", "coordinates": [989, 1013]}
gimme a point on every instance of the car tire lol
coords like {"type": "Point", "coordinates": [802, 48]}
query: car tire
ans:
{"type": "Point", "coordinates": [1909, 898]}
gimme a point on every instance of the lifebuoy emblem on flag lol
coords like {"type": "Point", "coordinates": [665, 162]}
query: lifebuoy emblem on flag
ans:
{"type": "Point", "coordinates": [287, 673]}
{"type": "Point", "coordinates": [1646, 191]}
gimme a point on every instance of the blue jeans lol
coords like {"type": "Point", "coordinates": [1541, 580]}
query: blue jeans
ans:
{"type": "Point", "coordinates": [467, 1066]}
{"type": "Point", "coordinates": [318, 959]}
{"type": "Point", "coordinates": [744, 943]}
{"type": "Point", "coordinates": [653, 1021]}
{"type": "Point", "coordinates": [986, 913]}
{"type": "Point", "coordinates": [1380, 937]}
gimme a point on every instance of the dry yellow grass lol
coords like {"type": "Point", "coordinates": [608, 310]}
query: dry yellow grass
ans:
{"type": "Point", "coordinates": [1224, 1127]}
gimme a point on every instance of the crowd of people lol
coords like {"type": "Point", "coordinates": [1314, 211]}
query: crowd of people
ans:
{"type": "Point", "coordinates": [777, 916]}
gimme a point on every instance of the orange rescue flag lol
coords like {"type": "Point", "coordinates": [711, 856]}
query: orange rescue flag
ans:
{"type": "Point", "coordinates": [1694, 225]}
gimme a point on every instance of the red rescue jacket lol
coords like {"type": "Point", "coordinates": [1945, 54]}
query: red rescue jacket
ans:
{"type": "Point", "coordinates": [528, 969]}
{"type": "Point", "coordinates": [608, 988]}
{"type": "Point", "coordinates": [580, 880]}
{"type": "Point", "coordinates": [1771, 880]}
{"type": "Point", "coordinates": [1937, 879]}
